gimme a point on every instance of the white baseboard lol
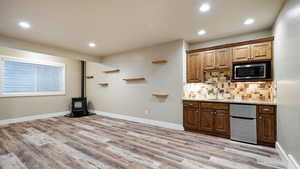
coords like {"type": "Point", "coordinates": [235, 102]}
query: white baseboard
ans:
{"type": "Point", "coordinates": [287, 158]}
{"type": "Point", "coordinates": [293, 163]}
{"type": "Point", "coordinates": [282, 153]}
{"type": "Point", "coordinates": [30, 118]}
{"type": "Point", "coordinates": [140, 120]}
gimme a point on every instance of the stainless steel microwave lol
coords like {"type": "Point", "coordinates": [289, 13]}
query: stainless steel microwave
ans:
{"type": "Point", "coordinates": [252, 71]}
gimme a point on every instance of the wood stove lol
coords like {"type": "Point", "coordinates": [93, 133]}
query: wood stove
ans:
{"type": "Point", "coordinates": [79, 104]}
{"type": "Point", "coordinates": [79, 107]}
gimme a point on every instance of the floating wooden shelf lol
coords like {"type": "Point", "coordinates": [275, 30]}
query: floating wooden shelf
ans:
{"type": "Point", "coordinates": [134, 79]}
{"type": "Point", "coordinates": [160, 95]}
{"type": "Point", "coordinates": [103, 84]}
{"type": "Point", "coordinates": [159, 61]}
{"type": "Point", "coordinates": [112, 71]}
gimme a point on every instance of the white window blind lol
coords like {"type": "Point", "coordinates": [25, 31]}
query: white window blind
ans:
{"type": "Point", "coordinates": [25, 78]}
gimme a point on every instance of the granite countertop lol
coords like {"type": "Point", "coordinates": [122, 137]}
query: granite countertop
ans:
{"type": "Point", "coordinates": [230, 101]}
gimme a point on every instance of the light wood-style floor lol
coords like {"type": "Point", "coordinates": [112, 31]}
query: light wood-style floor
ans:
{"type": "Point", "coordinates": [98, 142]}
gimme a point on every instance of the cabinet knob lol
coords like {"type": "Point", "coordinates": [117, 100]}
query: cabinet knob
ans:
{"type": "Point", "coordinates": [266, 109]}
{"type": "Point", "coordinates": [260, 117]}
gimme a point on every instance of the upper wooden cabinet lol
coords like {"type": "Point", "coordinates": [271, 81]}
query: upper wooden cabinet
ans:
{"type": "Point", "coordinates": [194, 68]}
{"type": "Point", "coordinates": [209, 59]}
{"type": "Point", "coordinates": [220, 58]}
{"type": "Point", "coordinates": [261, 51]}
{"type": "Point", "coordinates": [241, 53]}
{"type": "Point", "coordinates": [223, 58]}
{"type": "Point", "coordinates": [217, 59]}
{"type": "Point", "coordinates": [254, 52]}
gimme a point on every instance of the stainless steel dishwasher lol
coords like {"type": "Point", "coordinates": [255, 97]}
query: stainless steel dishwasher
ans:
{"type": "Point", "coordinates": [243, 123]}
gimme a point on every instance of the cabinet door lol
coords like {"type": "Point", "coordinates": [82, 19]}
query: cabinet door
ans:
{"type": "Point", "coordinates": [191, 119]}
{"type": "Point", "coordinates": [223, 59]}
{"type": "Point", "coordinates": [209, 60]}
{"type": "Point", "coordinates": [221, 122]}
{"type": "Point", "coordinates": [261, 51]}
{"type": "Point", "coordinates": [241, 53]}
{"type": "Point", "coordinates": [194, 68]}
{"type": "Point", "coordinates": [266, 128]}
{"type": "Point", "coordinates": [207, 120]}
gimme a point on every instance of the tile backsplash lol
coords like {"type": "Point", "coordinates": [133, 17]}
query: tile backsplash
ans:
{"type": "Point", "coordinates": [217, 85]}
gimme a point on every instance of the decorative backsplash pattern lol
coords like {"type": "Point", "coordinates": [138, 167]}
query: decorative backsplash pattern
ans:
{"type": "Point", "coordinates": [218, 86]}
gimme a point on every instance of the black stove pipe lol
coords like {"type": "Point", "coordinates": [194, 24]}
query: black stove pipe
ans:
{"type": "Point", "coordinates": [82, 79]}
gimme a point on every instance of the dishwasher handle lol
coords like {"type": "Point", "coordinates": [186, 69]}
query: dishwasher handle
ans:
{"type": "Point", "coordinates": [245, 118]}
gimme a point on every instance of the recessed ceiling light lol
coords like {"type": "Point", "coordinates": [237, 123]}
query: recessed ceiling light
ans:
{"type": "Point", "coordinates": [204, 7]}
{"type": "Point", "coordinates": [92, 44]}
{"type": "Point", "coordinates": [249, 21]}
{"type": "Point", "coordinates": [24, 25]}
{"type": "Point", "coordinates": [201, 32]}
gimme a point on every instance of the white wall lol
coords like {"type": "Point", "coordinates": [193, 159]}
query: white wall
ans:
{"type": "Point", "coordinates": [287, 73]}
{"type": "Point", "coordinates": [184, 60]}
{"type": "Point", "coordinates": [234, 39]}
{"type": "Point", "coordinates": [135, 98]}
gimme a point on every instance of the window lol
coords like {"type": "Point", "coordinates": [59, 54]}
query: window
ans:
{"type": "Point", "coordinates": [27, 78]}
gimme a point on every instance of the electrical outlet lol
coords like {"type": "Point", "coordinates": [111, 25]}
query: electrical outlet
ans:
{"type": "Point", "coordinates": [147, 111]}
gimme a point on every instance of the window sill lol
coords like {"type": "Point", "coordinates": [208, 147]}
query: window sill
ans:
{"type": "Point", "coordinates": [33, 94]}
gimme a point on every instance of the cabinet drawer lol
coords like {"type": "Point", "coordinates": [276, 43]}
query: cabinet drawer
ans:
{"type": "Point", "coordinates": [190, 105]}
{"type": "Point", "coordinates": [266, 109]}
{"type": "Point", "coordinates": [214, 106]}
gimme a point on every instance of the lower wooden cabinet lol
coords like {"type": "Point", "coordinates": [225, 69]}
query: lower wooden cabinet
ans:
{"type": "Point", "coordinates": [209, 118]}
{"type": "Point", "coordinates": [266, 125]}
{"type": "Point", "coordinates": [191, 119]}
{"type": "Point", "coordinates": [206, 120]}
{"type": "Point", "coordinates": [214, 119]}
{"type": "Point", "coordinates": [221, 122]}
